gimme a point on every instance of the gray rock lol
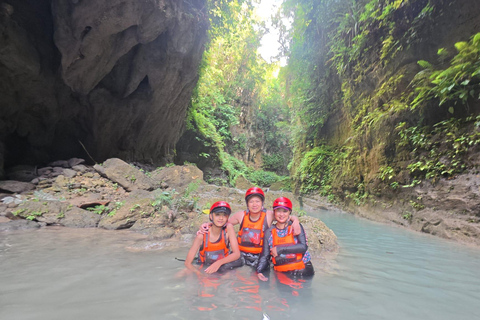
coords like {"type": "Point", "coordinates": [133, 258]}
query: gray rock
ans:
{"type": "Point", "coordinates": [16, 186]}
{"type": "Point", "coordinates": [59, 163]}
{"type": "Point", "coordinates": [79, 218]}
{"type": "Point", "coordinates": [178, 177]}
{"type": "Point", "coordinates": [74, 162]}
{"type": "Point", "coordinates": [125, 175]}
{"type": "Point", "coordinates": [69, 173]}
{"type": "Point", "coordinates": [80, 168]}
{"type": "Point", "coordinates": [242, 183]}
{"type": "Point", "coordinates": [136, 206]}
{"type": "Point", "coordinates": [44, 171]}
{"type": "Point", "coordinates": [18, 225]}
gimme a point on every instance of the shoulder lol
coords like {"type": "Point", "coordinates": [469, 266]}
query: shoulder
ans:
{"type": "Point", "coordinates": [200, 237]}
{"type": "Point", "coordinates": [229, 228]}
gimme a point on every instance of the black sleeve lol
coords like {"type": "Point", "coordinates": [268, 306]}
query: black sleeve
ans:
{"type": "Point", "coordinates": [265, 255]}
{"type": "Point", "coordinates": [299, 247]}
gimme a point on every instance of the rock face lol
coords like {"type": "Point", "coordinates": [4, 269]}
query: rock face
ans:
{"type": "Point", "coordinates": [96, 79]}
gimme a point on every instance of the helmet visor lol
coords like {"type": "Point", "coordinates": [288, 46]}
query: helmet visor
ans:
{"type": "Point", "coordinates": [286, 208]}
{"type": "Point", "coordinates": [225, 210]}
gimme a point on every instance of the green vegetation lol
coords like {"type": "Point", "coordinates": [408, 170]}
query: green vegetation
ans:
{"type": "Point", "coordinates": [349, 73]}
{"type": "Point", "coordinates": [351, 115]}
{"type": "Point", "coordinates": [98, 209]}
{"type": "Point", "coordinates": [237, 87]}
{"type": "Point", "coordinates": [33, 215]}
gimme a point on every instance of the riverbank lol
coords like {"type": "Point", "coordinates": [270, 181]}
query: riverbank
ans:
{"type": "Point", "coordinates": [166, 204]}
{"type": "Point", "coordinates": [448, 208]}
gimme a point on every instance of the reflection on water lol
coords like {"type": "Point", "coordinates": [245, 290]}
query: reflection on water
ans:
{"type": "Point", "coordinates": [381, 273]}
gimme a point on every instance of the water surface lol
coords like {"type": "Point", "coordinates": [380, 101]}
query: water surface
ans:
{"type": "Point", "coordinates": [381, 272]}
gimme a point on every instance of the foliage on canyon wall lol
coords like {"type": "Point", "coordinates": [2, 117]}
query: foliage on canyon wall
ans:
{"type": "Point", "coordinates": [379, 99]}
{"type": "Point", "coordinates": [237, 105]}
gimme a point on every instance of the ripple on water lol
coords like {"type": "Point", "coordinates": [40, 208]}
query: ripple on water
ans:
{"type": "Point", "coordinates": [380, 273]}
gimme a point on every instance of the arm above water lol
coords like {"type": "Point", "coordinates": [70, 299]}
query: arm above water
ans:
{"type": "Point", "coordinates": [236, 218]}
{"type": "Point", "coordinates": [295, 225]}
{"type": "Point", "coordinates": [264, 257]}
{"type": "Point", "coordinates": [197, 243]}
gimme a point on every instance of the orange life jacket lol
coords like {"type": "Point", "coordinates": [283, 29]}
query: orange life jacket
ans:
{"type": "Point", "coordinates": [250, 236]}
{"type": "Point", "coordinates": [213, 251]}
{"type": "Point", "coordinates": [291, 261]}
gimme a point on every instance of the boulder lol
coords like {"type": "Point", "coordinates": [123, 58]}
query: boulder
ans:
{"type": "Point", "coordinates": [18, 225]}
{"type": "Point", "coordinates": [178, 177]}
{"type": "Point", "coordinates": [242, 183]}
{"type": "Point", "coordinates": [16, 186]}
{"type": "Point", "coordinates": [321, 239]}
{"type": "Point", "coordinates": [125, 175]}
{"type": "Point", "coordinates": [136, 206]}
{"type": "Point", "coordinates": [78, 218]}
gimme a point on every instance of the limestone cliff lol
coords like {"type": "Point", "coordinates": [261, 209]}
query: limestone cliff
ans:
{"type": "Point", "coordinates": [113, 78]}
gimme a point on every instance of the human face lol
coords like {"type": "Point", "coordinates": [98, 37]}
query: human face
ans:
{"type": "Point", "coordinates": [255, 204]}
{"type": "Point", "coordinates": [219, 218]}
{"type": "Point", "coordinates": [282, 215]}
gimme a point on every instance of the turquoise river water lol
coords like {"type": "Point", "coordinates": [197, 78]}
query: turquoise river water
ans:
{"type": "Point", "coordinates": [381, 272]}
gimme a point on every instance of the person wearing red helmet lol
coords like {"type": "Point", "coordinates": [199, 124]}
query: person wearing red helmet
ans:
{"type": "Point", "coordinates": [289, 252]}
{"type": "Point", "coordinates": [253, 223]}
{"type": "Point", "coordinates": [217, 248]}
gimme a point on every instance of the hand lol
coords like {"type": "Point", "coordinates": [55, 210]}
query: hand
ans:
{"type": "Point", "coordinates": [213, 267]}
{"type": "Point", "coordinates": [273, 252]}
{"type": "Point", "coordinates": [262, 277]}
{"type": "Point", "coordinates": [204, 228]}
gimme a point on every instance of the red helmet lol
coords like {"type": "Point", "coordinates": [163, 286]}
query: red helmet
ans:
{"type": "Point", "coordinates": [282, 202]}
{"type": "Point", "coordinates": [221, 206]}
{"type": "Point", "coordinates": [255, 191]}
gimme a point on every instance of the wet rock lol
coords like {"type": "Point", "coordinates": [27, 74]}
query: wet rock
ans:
{"type": "Point", "coordinates": [19, 225]}
{"type": "Point", "coordinates": [320, 238]}
{"type": "Point", "coordinates": [178, 177]}
{"type": "Point", "coordinates": [161, 233]}
{"type": "Point", "coordinates": [145, 224]}
{"type": "Point", "coordinates": [78, 218]}
{"type": "Point", "coordinates": [125, 175]}
{"type": "Point", "coordinates": [16, 186]}
{"type": "Point", "coordinates": [136, 206]}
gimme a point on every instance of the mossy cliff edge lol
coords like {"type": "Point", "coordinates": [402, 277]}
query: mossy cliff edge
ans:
{"type": "Point", "coordinates": [386, 95]}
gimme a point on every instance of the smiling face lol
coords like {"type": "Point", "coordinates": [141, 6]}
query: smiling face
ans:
{"type": "Point", "coordinates": [219, 219]}
{"type": "Point", "coordinates": [282, 215]}
{"type": "Point", "coordinates": [255, 204]}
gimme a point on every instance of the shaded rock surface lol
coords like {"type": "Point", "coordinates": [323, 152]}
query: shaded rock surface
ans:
{"type": "Point", "coordinates": [96, 79]}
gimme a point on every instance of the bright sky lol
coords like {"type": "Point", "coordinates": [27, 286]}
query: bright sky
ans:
{"type": "Point", "coordinates": [269, 44]}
